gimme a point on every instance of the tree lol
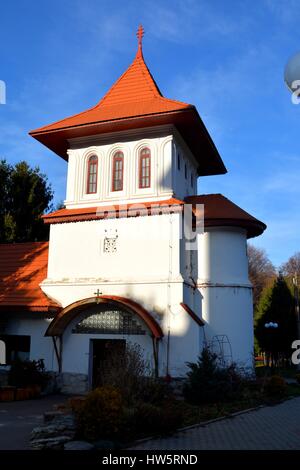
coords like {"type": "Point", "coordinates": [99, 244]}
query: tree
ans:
{"type": "Point", "coordinates": [5, 171]}
{"type": "Point", "coordinates": [292, 267]}
{"type": "Point", "coordinates": [25, 195]}
{"type": "Point", "coordinates": [276, 306]}
{"type": "Point", "coordinates": [261, 271]}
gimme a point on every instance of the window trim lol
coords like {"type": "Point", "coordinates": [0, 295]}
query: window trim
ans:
{"type": "Point", "coordinates": [89, 164]}
{"type": "Point", "coordinates": [118, 156]}
{"type": "Point", "coordinates": [141, 158]}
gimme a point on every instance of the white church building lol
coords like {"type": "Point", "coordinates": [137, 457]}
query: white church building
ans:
{"type": "Point", "coordinates": [119, 266]}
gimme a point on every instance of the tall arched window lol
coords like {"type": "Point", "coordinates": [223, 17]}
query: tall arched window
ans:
{"type": "Point", "coordinates": [92, 175]}
{"type": "Point", "coordinates": [117, 171]}
{"type": "Point", "coordinates": [145, 168]}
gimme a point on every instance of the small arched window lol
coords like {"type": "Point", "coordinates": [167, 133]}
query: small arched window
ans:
{"type": "Point", "coordinates": [145, 168]}
{"type": "Point", "coordinates": [117, 171]}
{"type": "Point", "coordinates": [92, 175]}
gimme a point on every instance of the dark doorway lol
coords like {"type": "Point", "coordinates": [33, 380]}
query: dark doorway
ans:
{"type": "Point", "coordinates": [104, 353]}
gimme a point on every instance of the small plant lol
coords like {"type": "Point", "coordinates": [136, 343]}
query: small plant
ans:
{"type": "Point", "coordinates": [275, 387]}
{"type": "Point", "coordinates": [99, 415]}
{"type": "Point", "coordinates": [131, 374]}
{"type": "Point", "coordinates": [28, 373]}
{"type": "Point", "coordinates": [153, 390]}
{"type": "Point", "coordinates": [207, 382]}
{"type": "Point", "coordinates": [150, 419]}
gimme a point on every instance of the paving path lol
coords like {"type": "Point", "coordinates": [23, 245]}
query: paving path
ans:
{"type": "Point", "coordinates": [17, 419]}
{"type": "Point", "coordinates": [268, 428]}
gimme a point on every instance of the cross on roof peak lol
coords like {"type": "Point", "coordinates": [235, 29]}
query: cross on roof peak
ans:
{"type": "Point", "coordinates": [140, 34]}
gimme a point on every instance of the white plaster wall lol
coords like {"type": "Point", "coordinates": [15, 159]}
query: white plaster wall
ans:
{"type": "Point", "coordinates": [35, 326]}
{"type": "Point", "coordinates": [161, 172]}
{"type": "Point", "coordinates": [166, 179]}
{"type": "Point", "coordinates": [142, 250]}
{"type": "Point", "coordinates": [229, 311]}
{"type": "Point", "coordinates": [225, 289]}
{"type": "Point", "coordinates": [185, 343]}
{"type": "Point", "coordinates": [222, 256]}
{"type": "Point", "coordinates": [182, 183]}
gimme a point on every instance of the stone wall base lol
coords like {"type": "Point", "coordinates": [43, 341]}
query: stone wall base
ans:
{"type": "Point", "coordinates": [72, 383]}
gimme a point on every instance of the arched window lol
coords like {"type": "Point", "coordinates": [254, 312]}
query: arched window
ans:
{"type": "Point", "coordinates": [145, 168]}
{"type": "Point", "coordinates": [92, 174]}
{"type": "Point", "coordinates": [117, 171]}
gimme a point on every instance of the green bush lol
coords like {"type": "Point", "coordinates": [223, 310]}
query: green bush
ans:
{"type": "Point", "coordinates": [153, 390]}
{"type": "Point", "coordinates": [150, 419]}
{"type": "Point", "coordinates": [99, 416]}
{"type": "Point", "coordinates": [27, 373]}
{"type": "Point", "coordinates": [275, 387]}
{"type": "Point", "coordinates": [209, 383]}
{"type": "Point", "coordinates": [131, 374]}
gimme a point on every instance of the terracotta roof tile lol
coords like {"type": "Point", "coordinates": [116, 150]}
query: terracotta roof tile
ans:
{"type": "Point", "coordinates": [220, 211]}
{"type": "Point", "coordinates": [23, 266]}
{"type": "Point", "coordinates": [112, 211]}
{"type": "Point", "coordinates": [135, 93]}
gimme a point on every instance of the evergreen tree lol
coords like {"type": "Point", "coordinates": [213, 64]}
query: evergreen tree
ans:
{"type": "Point", "coordinates": [276, 306]}
{"type": "Point", "coordinates": [25, 195]}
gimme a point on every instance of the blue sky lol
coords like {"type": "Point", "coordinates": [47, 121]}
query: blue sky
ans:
{"type": "Point", "coordinates": [226, 57]}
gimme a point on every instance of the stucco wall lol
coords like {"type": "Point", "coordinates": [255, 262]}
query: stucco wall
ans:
{"type": "Point", "coordinates": [34, 325]}
{"type": "Point", "coordinates": [166, 178]}
{"type": "Point", "coordinates": [226, 290]}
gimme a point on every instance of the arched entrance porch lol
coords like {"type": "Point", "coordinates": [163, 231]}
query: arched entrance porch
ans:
{"type": "Point", "coordinates": [107, 317]}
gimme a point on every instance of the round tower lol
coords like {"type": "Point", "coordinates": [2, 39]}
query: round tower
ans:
{"type": "Point", "coordinates": [226, 292]}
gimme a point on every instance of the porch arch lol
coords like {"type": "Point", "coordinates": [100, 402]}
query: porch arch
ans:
{"type": "Point", "coordinates": [66, 315]}
{"type": "Point", "coordinates": [63, 319]}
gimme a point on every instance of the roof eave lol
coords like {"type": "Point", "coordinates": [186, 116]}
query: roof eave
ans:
{"type": "Point", "coordinates": [187, 121]}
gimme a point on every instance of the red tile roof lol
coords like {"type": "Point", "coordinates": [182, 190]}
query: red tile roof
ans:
{"type": "Point", "coordinates": [135, 93]}
{"type": "Point", "coordinates": [113, 211]}
{"type": "Point", "coordinates": [23, 266]}
{"type": "Point", "coordinates": [220, 211]}
{"type": "Point", "coordinates": [133, 102]}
